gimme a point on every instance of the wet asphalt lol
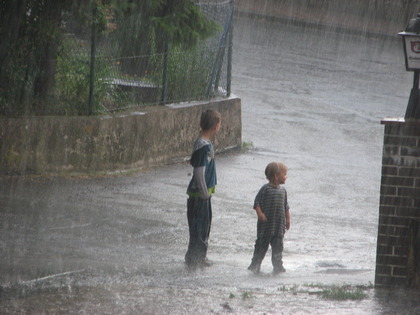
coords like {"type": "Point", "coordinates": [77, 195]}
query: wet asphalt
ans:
{"type": "Point", "coordinates": [114, 244]}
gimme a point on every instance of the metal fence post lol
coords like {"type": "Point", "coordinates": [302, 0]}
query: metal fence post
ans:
{"type": "Point", "coordinates": [219, 56]}
{"type": "Point", "coordinates": [92, 61]}
{"type": "Point", "coordinates": [165, 74]}
{"type": "Point", "coordinates": [229, 58]}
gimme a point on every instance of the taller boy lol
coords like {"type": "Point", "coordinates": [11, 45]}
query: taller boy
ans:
{"type": "Point", "coordinates": [200, 189]}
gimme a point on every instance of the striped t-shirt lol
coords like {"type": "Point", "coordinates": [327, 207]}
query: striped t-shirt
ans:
{"type": "Point", "coordinates": [273, 202]}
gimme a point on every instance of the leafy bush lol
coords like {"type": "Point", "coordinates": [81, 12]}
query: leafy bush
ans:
{"type": "Point", "coordinates": [189, 73]}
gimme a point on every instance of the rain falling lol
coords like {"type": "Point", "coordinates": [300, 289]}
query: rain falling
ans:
{"type": "Point", "coordinates": [313, 97]}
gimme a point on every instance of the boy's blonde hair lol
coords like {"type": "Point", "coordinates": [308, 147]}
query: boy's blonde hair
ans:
{"type": "Point", "coordinates": [275, 168]}
{"type": "Point", "coordinates": [209, 119]}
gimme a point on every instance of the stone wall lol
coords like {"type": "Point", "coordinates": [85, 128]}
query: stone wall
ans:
{"type": "Point", "coordinates": [125, 141]}
{"type": "Point", "coordinates": [398, 245]}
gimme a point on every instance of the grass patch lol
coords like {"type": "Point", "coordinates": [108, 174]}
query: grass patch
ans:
{"type": "Point", "coordinates": [344, 292]}
{"type": "Point", "coordinates": [246, 295]}
{"type": "Point", "coordinates": [330, 292]}
{"type": "Point", "coordinates": [246, 146]}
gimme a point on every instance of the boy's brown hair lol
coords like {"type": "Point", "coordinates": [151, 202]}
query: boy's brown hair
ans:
{"type": "Point", "coordinates": [275, 168]}
{"type": "Point", "coordinates": [209, 119]}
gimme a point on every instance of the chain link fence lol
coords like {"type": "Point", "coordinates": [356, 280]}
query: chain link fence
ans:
{"type": "Point", "coordinates": [95, 74]}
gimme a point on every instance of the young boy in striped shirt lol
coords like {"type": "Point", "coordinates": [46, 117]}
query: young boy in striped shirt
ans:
{"type": "Point", "coordinates": [273, 218]}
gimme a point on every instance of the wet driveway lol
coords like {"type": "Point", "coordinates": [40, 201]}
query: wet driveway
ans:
{"type": "Point", "coordinates": [115, 244]}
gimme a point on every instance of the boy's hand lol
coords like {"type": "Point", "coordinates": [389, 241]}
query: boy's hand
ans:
{"type": "Point", "coordinates": [262, 217]}
{"type": "Point", "coordinates": [287, 224]}
{"type": "Point", "coordinates": [287, 220]}
{"type": "Point", "coordinates": [260, 214]}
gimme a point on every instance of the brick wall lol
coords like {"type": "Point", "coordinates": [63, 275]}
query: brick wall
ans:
{"type": "Point", "coordinates": [399, 202]}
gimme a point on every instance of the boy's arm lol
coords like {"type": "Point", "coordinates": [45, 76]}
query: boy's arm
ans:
{"type": "Point", "coordinates": [287, 213]}
{"type": "Point", "coordinates": [260, 214]}
{"type": "Point", "coordinates": [201, 181]}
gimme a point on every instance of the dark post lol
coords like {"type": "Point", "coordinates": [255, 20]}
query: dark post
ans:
{"type": "Point", "coordinates": [229, 65]}
{"type": "Point", "coordinates": [168, 11]}
{"type": "Point", "coordinates": [411, 44]}
{"type": "Point", "coordinates": [413, 107]}
{"type": "Point", "coordinates": [92, 61]}
{"type": "Point", "coordinates": [165, 74]}
{"type": "Point", "coordinates": [213, 83]}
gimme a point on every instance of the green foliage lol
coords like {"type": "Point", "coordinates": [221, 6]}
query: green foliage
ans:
{"type": "Point", "coordinates": [100, 13]}
{"type": "Point", "coordinates": [42, 74]}
{"type": "Point", "coordinates": [189, 72]}
{"type": "Point", "coordinates": [182, 22]}
{"type": "Point", "coordinates": [154, 23]}
{"type": "Point", "coordinates": [72, 82]}
{"type": "Point", "coordinates": [31, 33]}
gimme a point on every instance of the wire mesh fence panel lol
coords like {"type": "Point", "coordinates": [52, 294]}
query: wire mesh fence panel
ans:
{"type": "Point", "coordinates": [125, 78]}
{"type": "Point", "coordinates": [186, 74]}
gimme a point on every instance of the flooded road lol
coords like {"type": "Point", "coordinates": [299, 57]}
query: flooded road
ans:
{"type": "Point", "coordinates": [116, 244]}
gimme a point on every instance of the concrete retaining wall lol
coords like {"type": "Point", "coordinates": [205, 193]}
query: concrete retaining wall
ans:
{"type": "Point", "coordinates": [385, 17]}
{"type": "Point", "coordinates": [124, 141]}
